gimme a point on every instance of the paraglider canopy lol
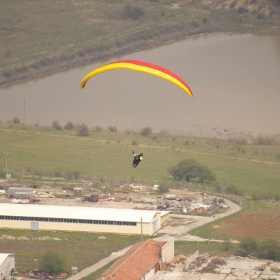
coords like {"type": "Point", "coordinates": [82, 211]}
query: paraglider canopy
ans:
{"type": "Point", "coordinates": [144, 67]}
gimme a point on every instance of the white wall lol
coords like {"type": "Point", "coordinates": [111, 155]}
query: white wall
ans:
{"type": "Point", "coordinates": [167, 252]}
{"type": "Point", "coordinates": [149, 274]}
{"type": "Point", "coordinates": [7, 266]}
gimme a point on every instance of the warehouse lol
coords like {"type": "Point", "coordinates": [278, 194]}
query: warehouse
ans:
{"type": "Point", "coordinates": [90, 219]}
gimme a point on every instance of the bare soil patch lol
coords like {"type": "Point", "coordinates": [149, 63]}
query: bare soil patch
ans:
{"type": "Point", "coordinates": [253, 224]}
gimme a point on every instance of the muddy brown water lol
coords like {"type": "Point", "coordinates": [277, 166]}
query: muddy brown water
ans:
{"type": "Point", "coordinates": [235, 80]}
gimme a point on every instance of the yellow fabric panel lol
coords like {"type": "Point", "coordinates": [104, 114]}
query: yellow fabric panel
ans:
{"type": "Point", "coordinates": [138, 68]}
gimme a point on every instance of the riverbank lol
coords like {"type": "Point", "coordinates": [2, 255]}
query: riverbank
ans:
{"type": "Point", "coordinates": [129, 48]}
{"type": "Point", "coordinates": [45, 45]}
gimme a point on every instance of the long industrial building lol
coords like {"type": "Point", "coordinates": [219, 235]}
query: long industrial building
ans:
{"type": "Point", "coordinates": [89, 219]}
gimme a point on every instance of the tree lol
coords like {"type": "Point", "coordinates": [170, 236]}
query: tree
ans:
{"type": "Point", "coordinates": [52, 262]}
{"type": "Point", "coordinates": [83, 130]}
{"type": "Point", "coordinates": [112, 128]}
{"type": "Point", "coordinates": [205, 174]}
{"type": "Point", "coordinates": [16, 120]}
{"type": "Point", "coordinates": [69, 126]}
{"type": "Point", "coordinates": [189, 169]}
{"type": "Point", "coordinates": [146, 131]}
{"type": "Point", "coordinates": [56, 125]}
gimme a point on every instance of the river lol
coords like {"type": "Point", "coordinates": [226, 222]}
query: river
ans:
{"type": "Point", "coordinates": [235, 80]}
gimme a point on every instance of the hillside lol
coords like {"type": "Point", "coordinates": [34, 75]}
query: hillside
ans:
{"type": "Point", "coordinates": [42, 37]}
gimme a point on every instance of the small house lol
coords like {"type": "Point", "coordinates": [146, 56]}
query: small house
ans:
{"type": "Point", "coordinates": [141, 261]}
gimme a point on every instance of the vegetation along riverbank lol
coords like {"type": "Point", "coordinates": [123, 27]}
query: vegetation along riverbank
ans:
{"type": "Point", "coordinates": [38, 38]}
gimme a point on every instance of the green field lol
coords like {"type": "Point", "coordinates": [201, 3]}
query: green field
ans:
{"type": "Point", "coordinates": [77, 249]}
{"type": "Point", "coordinates": [45, 154]}
{"type": "Point", "coordinates": [85, 249]}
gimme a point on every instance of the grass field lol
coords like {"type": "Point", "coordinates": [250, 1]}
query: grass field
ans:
{"type": "Point", "coordinates": [77, 249]}
{"type": "Point", "coordinates": [252, 169]}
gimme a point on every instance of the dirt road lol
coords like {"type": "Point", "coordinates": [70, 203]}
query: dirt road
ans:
{"type": "Point", "coordinates": [181, 232]}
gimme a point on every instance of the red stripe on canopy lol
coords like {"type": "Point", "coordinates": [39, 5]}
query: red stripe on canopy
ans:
{"type": "Point", "coordinates": [150, 65]}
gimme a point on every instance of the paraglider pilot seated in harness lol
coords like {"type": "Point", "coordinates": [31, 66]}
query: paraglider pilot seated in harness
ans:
{"type": "Point", "coordinates": [137, 159]}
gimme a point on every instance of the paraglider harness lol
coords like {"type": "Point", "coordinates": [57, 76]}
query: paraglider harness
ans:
{"type": "Point", "coordinates": [137, 159]}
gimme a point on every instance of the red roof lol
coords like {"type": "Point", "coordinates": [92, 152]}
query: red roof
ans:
{"type": "Point", "coordinates": [136, 262]}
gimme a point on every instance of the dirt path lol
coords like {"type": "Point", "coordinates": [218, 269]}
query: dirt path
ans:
{"type": "Point", "coordinates": [181, 232]}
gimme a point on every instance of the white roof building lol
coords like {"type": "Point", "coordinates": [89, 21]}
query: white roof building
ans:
{"type": "Point", "coordinates": [48, 217]}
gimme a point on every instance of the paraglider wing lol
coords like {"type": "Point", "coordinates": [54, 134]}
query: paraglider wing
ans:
{"type": "Point", "coordinates": [144, 67]}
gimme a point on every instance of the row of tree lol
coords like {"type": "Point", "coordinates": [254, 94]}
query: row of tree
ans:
{"type": "Point", "coordinates": [83, 129]}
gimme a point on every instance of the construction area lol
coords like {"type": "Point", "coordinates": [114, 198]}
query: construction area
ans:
{"type": "Point", "coordinates": [133, 197]}
{"type": "Point", "coordinates": [206, 267]}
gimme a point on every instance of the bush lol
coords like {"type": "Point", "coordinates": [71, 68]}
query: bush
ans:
{"type": "Point", "coordinates": [134, 143]}
{"type": "Point", "coordinates": [247, 247]}
{"type": "Point", "coordinates": [269, 249]}
{"type": "Point", "coordinates": [97, 128]}
{"type": "Point", "coordinates": [163, 189]}
{"type": "Point", "coordinates": [132, 12]}
{"type": "Point", "coordinates": [112, 128]}
{"type": "Point", "coordinates": [16, 120]}
{"type": "Point", "coordinates": [7, 73]}
{"type": "Point", "coordinates": [266, 141]}
{"type": "Point", "coordinates": [52, 262]}
{"type": "Point", "coordinates": [83, 130]}
{"type": "Point", "coordinates": [56, 125]}
{"type": "Point", "coordinates": [69, 126]}
{"type": "Point", "coordinates": [146, 131]}
{"type": "Point", "coordinates": [260, 16]}
{"type": "Point", "coordinates": [266, 249]}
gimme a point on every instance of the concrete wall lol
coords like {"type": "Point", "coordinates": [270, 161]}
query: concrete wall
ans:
{"type": "Point", "coordinates": [7, 266]}
{"type": "Point", "coordinates": [191, 259]}
{"type": "Point", "coordinates": [164, 218]}
{"type": "Point", "coordinates": [167, 252]}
